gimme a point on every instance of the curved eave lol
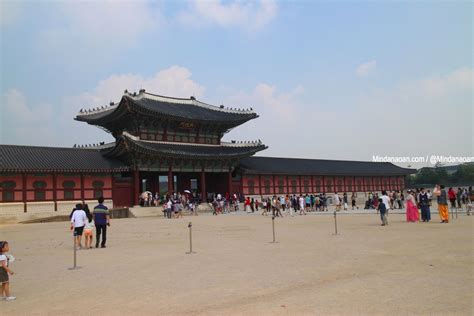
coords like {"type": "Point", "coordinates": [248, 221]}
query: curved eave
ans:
{"type": "Point", "coordinates": [167, 150]}
{"type": "Point", "coordinates": [129, 105]}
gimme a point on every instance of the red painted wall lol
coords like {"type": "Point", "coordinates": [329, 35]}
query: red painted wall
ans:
{"type": "Point", "coordinates": [361, 184]}
{"type": "Point", "coordinates": [49, 188]}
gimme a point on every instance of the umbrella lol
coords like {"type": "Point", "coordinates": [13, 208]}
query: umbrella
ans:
{"type": "Point", "coordinates": [187, 191]}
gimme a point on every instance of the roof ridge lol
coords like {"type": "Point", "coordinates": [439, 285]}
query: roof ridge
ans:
{"type": "Point", "coordinates": [332, 160]}
{"type": "Point", "coordinates": [191, 101]}
{"type": "Point", "coordinates": [49, 147]}
{"type": "Point", "coordinates": [223, 144]}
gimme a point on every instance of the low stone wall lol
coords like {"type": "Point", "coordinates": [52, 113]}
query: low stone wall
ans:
{"type": "Point", "coordinates": [14, 212]}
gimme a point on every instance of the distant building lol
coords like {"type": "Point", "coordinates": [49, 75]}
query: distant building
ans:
{"type": "Point", "coordinates": [164, 144]}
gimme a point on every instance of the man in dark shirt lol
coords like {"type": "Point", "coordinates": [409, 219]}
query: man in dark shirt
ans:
{"type": "Point", "coordinates": [383, 212]}
{"type": "Point", "coordinates": [443, 205]}
{"type": "Point", "coordinates": [424, 205]}
{"type": "Point", "coordinates": [102, 220]}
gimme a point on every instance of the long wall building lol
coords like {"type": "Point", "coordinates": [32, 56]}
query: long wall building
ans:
{"type": "Point", "coordinates": [164, 144]}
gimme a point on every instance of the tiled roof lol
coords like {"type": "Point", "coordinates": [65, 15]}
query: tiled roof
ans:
{"type": "Point", "coordinates": [166, 107]}
{"type": "Point", "coordinates": [183, 150]}
{"type": "Point", "coordinates": [32, 159]}
{"type": "Point", "coordinates": [293, 166]}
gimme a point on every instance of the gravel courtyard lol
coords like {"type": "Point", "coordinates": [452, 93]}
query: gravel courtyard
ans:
{"type": "Point", "coordinates": [403, 268]}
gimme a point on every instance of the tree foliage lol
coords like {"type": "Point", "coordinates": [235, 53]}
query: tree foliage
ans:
{"type": "Point", "coordinates": [464, 175]}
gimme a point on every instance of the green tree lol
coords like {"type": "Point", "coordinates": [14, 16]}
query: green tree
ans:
{"type": "Point", "coordinates": [464, 174]}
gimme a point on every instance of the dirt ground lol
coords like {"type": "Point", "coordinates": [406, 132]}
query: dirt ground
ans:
{"type": "Point", "coordinates": [403, 268]}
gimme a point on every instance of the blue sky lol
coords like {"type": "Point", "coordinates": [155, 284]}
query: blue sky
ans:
{"type": "Point", "coordinates": [338, 80]}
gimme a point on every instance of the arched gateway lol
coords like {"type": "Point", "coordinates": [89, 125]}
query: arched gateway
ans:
{"type": "Point", "coordinates": [164, 144]}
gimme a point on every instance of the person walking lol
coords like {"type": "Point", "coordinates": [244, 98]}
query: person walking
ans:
{"type": "Point", "coordinates": [452, 198]}
{"type": "Point", "coordinates": [264, 207]}
{"type": "Point", "coordinates": [412, 209]}
{"type": "Point", "coordinates": [78, 221]}
{"type": "Point", "coordinates": [353, 200]}
{"type": "Point", "coordinates": [101, 220]}
{"type": "Point", "coordinates": [88, 231]}
{"type": "Point", "coordinates": [302, 204]}
{"type": "Point", "coordinates": [442, 196]}
{"type": "Point", "coordinates": [247, 204]}
{"type": "Point", "coordinates": [386, 201]}
{"type": "Point", "coordinates": [459, 198]}
{"type": "Point", "coordinates": [337, 201]}
{"type": "Point", "coordinates": [278, 208]}
{"type": "Point", "coordinates": [4, 271]}
{"type": "Point", "coordinates": [424, 200]}
{"type": "Point", "coordinates": [383, 212]}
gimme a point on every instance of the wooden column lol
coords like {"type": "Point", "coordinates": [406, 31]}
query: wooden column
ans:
{"type": "Point", "coordinates": [136, 186]}
{"type": "Point", "coordinates": [229, 181]}
{"type": "Point", "coordinates": [170, 180]}
{"type": "Point", "coordinates": [324, 185]}
{"type": "Point", "coordinates": [197, 134]}
{"type": "Point", "coordinates": [273, 182]}
{"type": "Point", "coordinates": [345, 185]}
{"type": "Point", "coordinates": [24, 193]}
{"type": "Point", "coordinates": [55, 197]}
{"type": "Point", "coordinates": [334, 186]}
{"type": "Point", "coordinates": [203, 186]}
{"type": "Point", "coordinates": [313, 190]}
{"type": "Point", "coordinates": [288, 185]}
{"type": "Point", "coordinates": [113, 187]}
{"type": "Point", "coordinates": [260, 185]}
{"type": "Point", "coordinates": [354, 184]}
{"type": "Point", "coordinates": [301, 188]}
{"type": "Point", "coordinates": [82, 187]}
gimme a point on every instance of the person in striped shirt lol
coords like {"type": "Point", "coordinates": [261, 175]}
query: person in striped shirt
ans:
{"type": "Point", "coordinates": [101, 220]}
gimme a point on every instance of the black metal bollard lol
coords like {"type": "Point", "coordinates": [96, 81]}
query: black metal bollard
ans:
{"type": "Point", "coordinates": [273, 228]}
{"type": "Point", "coordinates": [335, 223]}
{"type": "Point", "coordinates": [74, 267]}
{"type": "Point", "coordinates": [190, 226]}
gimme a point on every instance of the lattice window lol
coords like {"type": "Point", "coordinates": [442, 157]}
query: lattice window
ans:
{"type": "Point", "coordinates": [98, 188]}
{"type": "Point", "coordinates": [68, 186]}
{"type": "Point", "coordinates": [40, 194]}
{"type": "Point", "coordinates": [8, 194]}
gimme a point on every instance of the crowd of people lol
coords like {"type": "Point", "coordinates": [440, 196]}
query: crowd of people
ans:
{"type": "Point", "coordinates": [173, 205]}
{"type": "Point", "coordinates": [419, 201]}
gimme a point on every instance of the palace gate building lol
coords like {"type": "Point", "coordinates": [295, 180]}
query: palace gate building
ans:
{"type": "Point", "coordinates": [164, 144]}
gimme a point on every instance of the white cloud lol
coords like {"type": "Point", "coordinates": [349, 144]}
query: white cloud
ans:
{"type": "Point", "coordinates": [440, 85]}
{"type": "Point", "coordinates": [174, 81]}
{"type": "Point", "coordinates": [39, 124]}
{"type": "Point", "coordinates": [248, 15]}
{"type": "Point", "coordinates": [10, 12]}
{"type": "Point", "coordinates": [431, 115]}
{"type": "Point", "coordinates": [363, 70]}
{"type": "Point", "coordinates": [24, 123]}
{"type": "Point", "coordinates": [282, 118]}
{"type": "Point", "coordinates": [93, 33]}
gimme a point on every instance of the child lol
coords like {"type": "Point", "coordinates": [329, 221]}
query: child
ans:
{"type": "Point", "coordinates": [88, 232]}
{"type": "Point", "coordinates": [264, 208]}
{"type": "Point", "coordinates": [4, 271]}
{"type": "Point", "coordinates": [382, 208]}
